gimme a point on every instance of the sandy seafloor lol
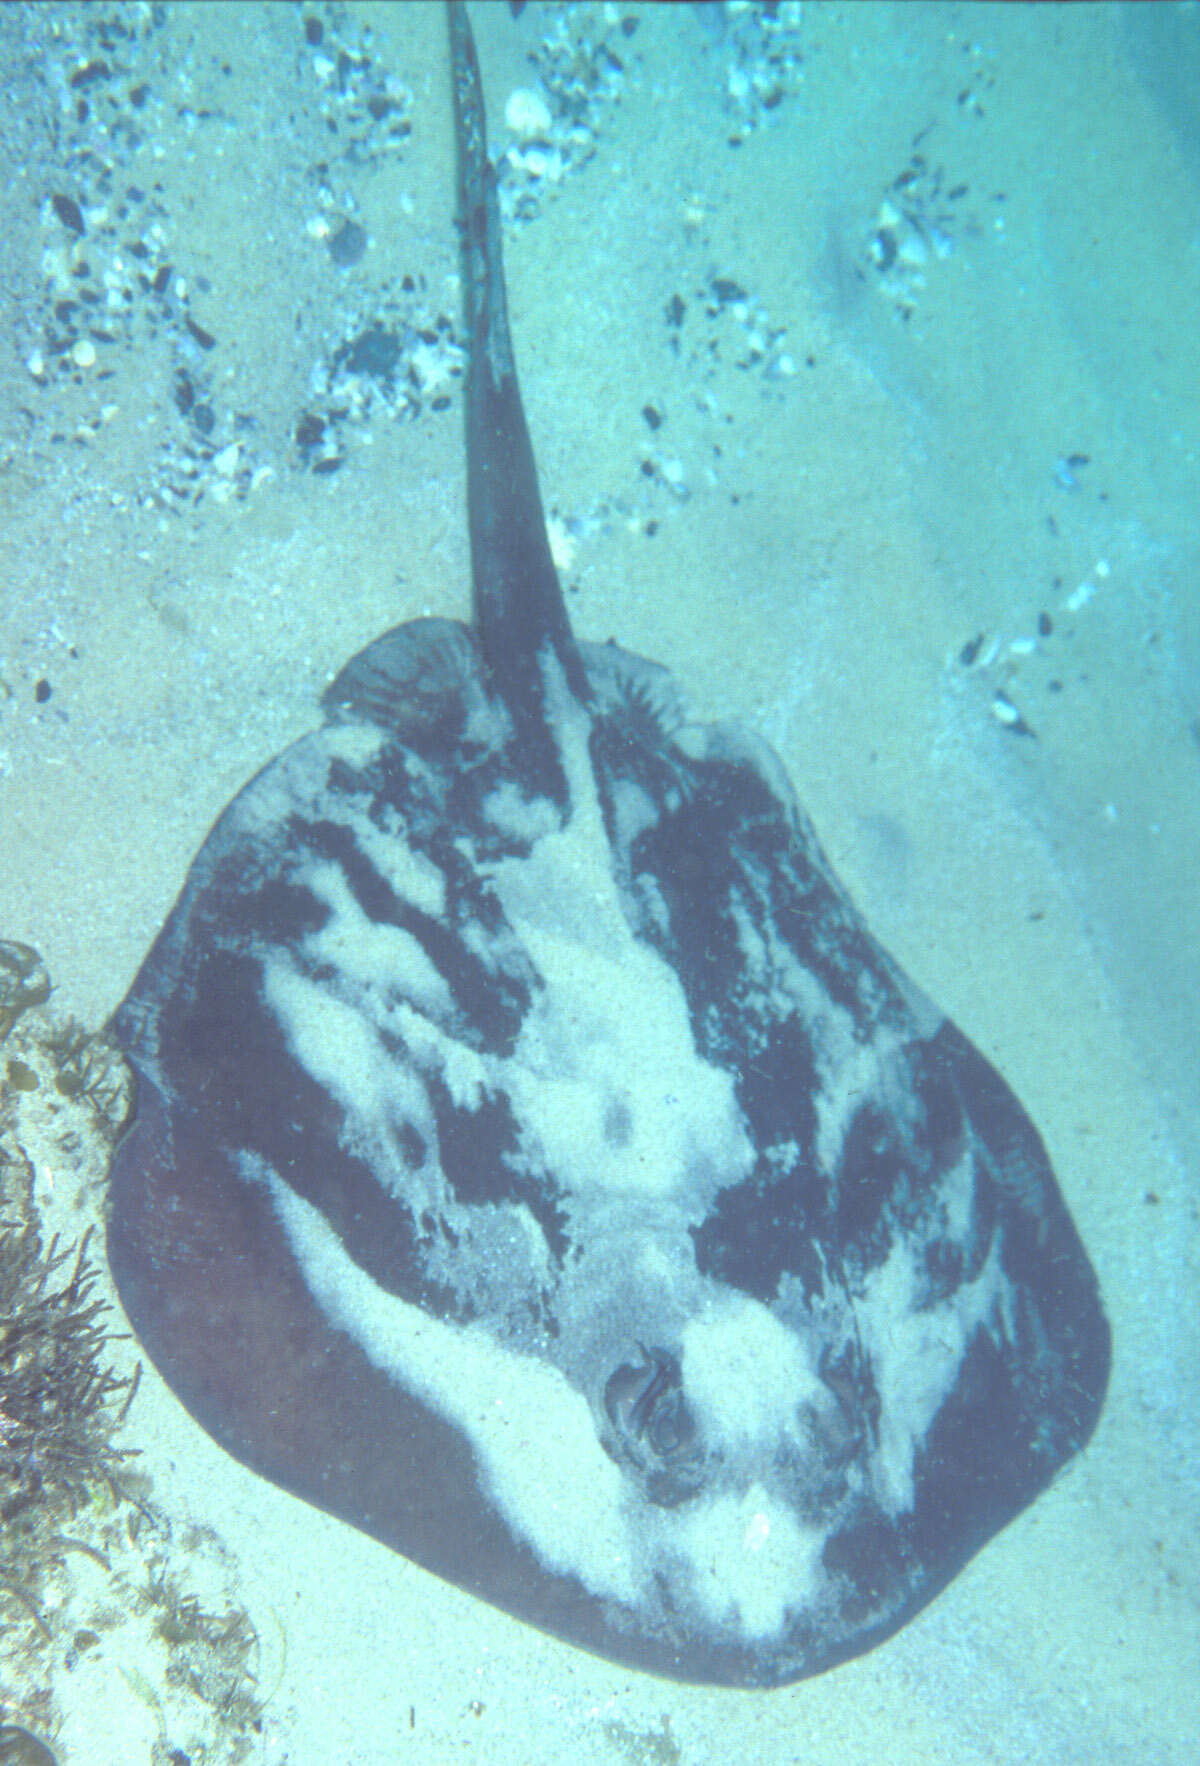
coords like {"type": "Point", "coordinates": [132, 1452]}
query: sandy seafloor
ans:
{"type": "Point", "coordinates": [831, 535]}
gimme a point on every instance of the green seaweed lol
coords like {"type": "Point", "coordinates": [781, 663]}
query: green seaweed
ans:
{"type": "Point", "coordinates": [88, 1066]}
{"type": "Point", "coordinates": [58, 1395]}
{"type": "Point", "coordinates": [60, 1403]}
{"type": "Point", "coordinates": [212, 1654]}
{"type": "Point", "coordinates": [67, 1492]}
{"type": "Point", "coordinates": [643, 1747]}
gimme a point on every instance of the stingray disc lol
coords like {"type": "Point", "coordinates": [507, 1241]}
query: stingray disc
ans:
{"type": "Point", "coordinates": [579, 1198]}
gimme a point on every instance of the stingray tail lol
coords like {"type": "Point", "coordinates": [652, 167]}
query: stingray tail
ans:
{"type": "Point", "coordinates": [519, 608]}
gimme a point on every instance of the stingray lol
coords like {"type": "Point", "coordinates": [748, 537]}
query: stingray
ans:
{"type": "Point", "coordinates": [539, 1165]}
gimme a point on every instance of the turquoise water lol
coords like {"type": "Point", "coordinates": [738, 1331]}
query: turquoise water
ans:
{"type": "Point", "coordinates": [910, 293]}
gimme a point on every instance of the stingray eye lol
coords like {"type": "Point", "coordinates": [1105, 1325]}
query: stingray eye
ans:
{"type": "Point", "coordinates": [652, 1428]}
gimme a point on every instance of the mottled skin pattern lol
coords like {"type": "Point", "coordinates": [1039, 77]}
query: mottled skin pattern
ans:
{"type": "Point", "coordinates": [539, 1165]}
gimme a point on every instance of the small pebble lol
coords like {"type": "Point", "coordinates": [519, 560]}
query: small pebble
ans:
{"type": "Point", "coordinates": [348, 245]}
{"type": "Point", "coordinates": [528, 115]}
{"type": "Point", "coordinates": [19, 1748]}
{"type": "Point", "coordinates": [68, 212]}
{"type": "Point", "coordinates": [83, 352]}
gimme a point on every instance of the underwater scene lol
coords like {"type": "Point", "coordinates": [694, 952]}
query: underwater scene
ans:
{"type": "Point", "coordinates": [599, 935]}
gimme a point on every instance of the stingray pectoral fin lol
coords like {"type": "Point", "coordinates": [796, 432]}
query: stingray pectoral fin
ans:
{"type": "Point", "coordinates": [1045, 1261]}
{"type": "Point", "coordinates": [219, 1301]}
